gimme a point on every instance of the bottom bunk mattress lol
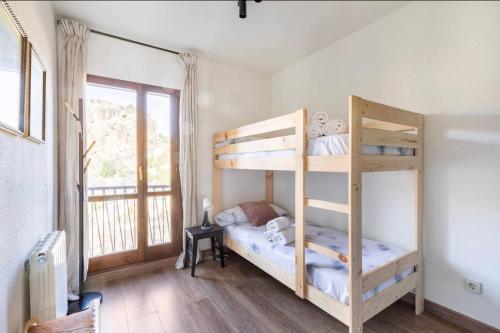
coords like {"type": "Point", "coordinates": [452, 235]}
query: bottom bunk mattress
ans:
{"type": "Point", "coordinates": [324, 273]}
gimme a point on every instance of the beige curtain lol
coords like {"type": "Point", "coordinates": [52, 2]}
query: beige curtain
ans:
{"type": "Point", "coordinates": [72, 56]}
{"type": "Point", "coordinates": [188, 127]}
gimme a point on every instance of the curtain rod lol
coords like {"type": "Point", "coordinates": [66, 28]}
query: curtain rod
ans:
{"type": "Point", "coordinates": [130, 41]}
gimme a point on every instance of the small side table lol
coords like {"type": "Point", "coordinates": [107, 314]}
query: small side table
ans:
{"type": "Point", "coordinates": [194, 234]}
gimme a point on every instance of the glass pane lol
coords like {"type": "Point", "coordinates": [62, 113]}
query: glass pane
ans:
{"type": "Point", "coordinates": [158, 136]}
{"type": "Point", "coordinates": [112, 122]}
{"type": "Point", "coordinates": [10, 72]}
{"type": "Point", "coordinates": [159, 217]}
{"type": "Point", "coordinates": [158, 154]}
{"type": "Point", "coordinates": [112, 226]}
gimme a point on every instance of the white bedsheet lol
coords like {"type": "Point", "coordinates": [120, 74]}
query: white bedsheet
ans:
{"type": "Point", "coordinates": [337, 144]}
{"type": "Point", "coordinates": [327, 274]}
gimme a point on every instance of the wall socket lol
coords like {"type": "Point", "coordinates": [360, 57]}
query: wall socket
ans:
{"type": "Point", "coordinates": [474, 287]}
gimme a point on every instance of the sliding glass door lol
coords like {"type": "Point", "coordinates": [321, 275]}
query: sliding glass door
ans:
{"type": "Point", "coordinates": [134, 209]}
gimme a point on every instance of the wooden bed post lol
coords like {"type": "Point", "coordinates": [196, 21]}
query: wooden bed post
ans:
{"type": "Point", "coordinates": [269, 187]}
{"type": "Point", "coordinates": [216, 183]}
{"type": "Point", "coordinates": [419, 232]}
{"type": "Point", "coordinates": [300, 141]}
{"type": "Point", "coordinates": [355, 224]}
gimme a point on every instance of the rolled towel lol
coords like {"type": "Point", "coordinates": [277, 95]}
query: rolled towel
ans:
{"type": "Point", "coordinates": [313, 130]}
{"type": "Point", "coordinates": [334, 126]}
{"type": "Point", "coordinates": [284, 237]}
{"type": "Point", "coordinates": [268, 235]}
{"type": "Point", "coordinates": [278, 224]}
{"type": "Point", "coordinates": [320, 117]}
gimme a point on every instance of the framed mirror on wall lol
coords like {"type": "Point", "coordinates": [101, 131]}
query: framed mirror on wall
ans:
{"type": "Point", "coordinates": [13, 41]}
{"type": "Point", "coordinates": [35, 96]}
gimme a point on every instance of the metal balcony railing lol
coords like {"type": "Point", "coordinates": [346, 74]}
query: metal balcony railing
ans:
{"type": "Point", "coordinates": [112, 215]}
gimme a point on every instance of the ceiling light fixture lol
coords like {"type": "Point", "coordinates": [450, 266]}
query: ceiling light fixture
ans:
{"type": "Point", "coordinates": [242, 4]}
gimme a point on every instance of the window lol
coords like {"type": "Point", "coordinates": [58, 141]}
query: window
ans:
{"type": "Point", "coordinates": [134, 209]}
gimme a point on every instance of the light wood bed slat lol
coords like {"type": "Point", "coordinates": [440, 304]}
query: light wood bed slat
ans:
{"type": "Point", "coordinates": [378, 111]}
{"type": "Point", "coordinates": [381, 274]}
{"type": "Point", "coordinates": [327, 251]}
{"type": "Point", "coordinates": [379, 302]}
{"type": "Point", "coordinates": [375, 137]}
{"type": "Point", "coordinates": [328, 304]}
{"type": "Point", "coordinates": [272, 144]}
{"type": "Point", "coordinates": [328, 163]}
{"type": "Point", "coordinates": [275, 271]}
{"type": "Point", "coordinates": [385, 126]}
{"type": "Point", "coordinates": [375, 163]}
{"type": "Point", "coordinates": [261, 127]}
{"type": "Point", "coordinates": [285, 164]}
{"type": "Point", "coordinates": [269, 187]}
{"type": "Point", "coordinates": [333, 206]}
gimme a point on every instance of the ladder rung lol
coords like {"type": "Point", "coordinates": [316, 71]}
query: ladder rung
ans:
{"type": "Point", "coordinates": [327, 251]}
{"type": "Point", "coordinates": [336, 207]}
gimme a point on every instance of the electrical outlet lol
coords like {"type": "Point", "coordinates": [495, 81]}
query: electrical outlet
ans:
{"type": "Point", "coordinates": [474, 287]}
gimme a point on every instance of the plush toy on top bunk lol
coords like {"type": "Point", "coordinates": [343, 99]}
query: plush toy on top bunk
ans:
{"type": "Point", "coordinates": [322, 125]}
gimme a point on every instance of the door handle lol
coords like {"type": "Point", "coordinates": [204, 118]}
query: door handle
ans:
{"type": "Point", "coordinates": [140, 173]}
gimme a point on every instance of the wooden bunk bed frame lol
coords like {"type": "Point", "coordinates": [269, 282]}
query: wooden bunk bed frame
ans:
{"type": "Point", "coordinates": [370, 123]}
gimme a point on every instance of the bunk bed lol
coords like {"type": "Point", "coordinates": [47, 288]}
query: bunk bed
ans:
{"type": "Point", "coordinates": [267, 147]}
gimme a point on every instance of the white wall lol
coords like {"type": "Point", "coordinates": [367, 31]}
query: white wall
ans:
{"type": "Point", "coordinates": [440, 59]}
{"type": "Point", "coordinates": [229, 96]}
{"type": "Point", "coordinates": [27, 179]}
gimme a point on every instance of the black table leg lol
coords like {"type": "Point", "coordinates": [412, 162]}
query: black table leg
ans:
{"type": "Point", "coordinates": [212, 242]}
{"type": "Point", "coordinates": [193, 256]}
{"type": "Point", "coordinates": [221, 250]}
{"type": "Point", "coordinates": [186, 251]}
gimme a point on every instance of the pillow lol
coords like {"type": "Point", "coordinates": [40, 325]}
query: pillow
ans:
{"type": "Point", "coordinates": [237, 215]}
{"type": "Point", "coordinates": [230, 216]}
{"type": "Point", "coordinates": [280, 211]}
{"type": "Point", "coordinates": [258, 212]}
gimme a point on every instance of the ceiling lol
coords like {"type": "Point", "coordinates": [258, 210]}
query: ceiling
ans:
{"type": "Point", "coordinates": [274, 35]}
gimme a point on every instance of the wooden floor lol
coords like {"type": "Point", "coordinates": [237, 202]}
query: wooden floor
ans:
{"type": "Point", "coordinates": [238, 298]}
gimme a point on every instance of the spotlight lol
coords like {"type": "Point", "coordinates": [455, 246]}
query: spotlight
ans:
{"type": "Point", "coordinates": [243, 8]}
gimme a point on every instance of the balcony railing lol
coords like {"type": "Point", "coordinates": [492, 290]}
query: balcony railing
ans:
{"type": "Point", "coordinates": [112, 214]}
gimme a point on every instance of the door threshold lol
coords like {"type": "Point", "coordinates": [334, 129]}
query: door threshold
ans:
{"type": "Point", "coordinates": [128, 270]}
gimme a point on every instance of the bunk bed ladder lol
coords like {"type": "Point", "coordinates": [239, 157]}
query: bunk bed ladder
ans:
{"type": "Point", "coordinates": [353, 258]}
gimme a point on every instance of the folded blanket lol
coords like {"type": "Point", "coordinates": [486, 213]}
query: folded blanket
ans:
{"type": "Point", "coordinates": [334, 126]}
{"type": "Point", "coordinates": [278, 224]}
{"type": "Point", "coordinates": [320, 118]}
{"type": "Point", "coordinates": [313, 130]}
{"type": "Point", "coordinates": [284, 237]}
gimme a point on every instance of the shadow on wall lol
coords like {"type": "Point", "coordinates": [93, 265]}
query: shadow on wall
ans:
{"type": "Point", "coordinates": [462, 177]}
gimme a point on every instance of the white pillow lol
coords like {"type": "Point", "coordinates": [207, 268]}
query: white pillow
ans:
{"type": "Point", "coordinates": [230, 216]}
{"type": "Point", "coordinates": [224, 219]}
{"type": "Point", "coordinates": [237, 215]}
{"type": "Point", "coordinates": [280, 211]}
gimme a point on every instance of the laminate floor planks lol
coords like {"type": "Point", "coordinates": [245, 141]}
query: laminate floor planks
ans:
{"type": "Point", "coordinates": [237, 298]}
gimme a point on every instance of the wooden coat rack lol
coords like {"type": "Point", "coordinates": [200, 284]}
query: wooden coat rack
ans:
{"type": "Point", "coordinates": [86, 298]}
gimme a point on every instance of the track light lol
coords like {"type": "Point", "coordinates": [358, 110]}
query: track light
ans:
{"type": "Point", "coordinates": [242, 4]}
{"type": "Point", "coordinates": [243, 8]}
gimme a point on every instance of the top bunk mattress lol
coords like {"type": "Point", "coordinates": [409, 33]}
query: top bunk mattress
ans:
{"type": "Point", "coordinates": [336, 144]}
{"type": "Point", "coordinates": [324, 273]}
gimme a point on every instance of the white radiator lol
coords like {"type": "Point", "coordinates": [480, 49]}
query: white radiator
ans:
{"type": "Point", "coordinates": [48, 278]}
